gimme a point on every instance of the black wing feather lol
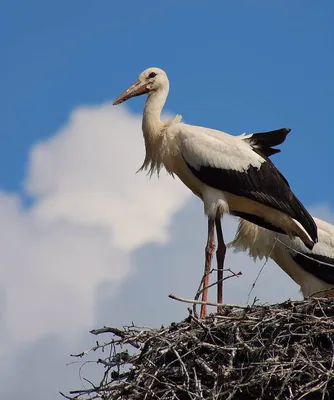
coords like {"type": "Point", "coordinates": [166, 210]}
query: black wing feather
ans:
{"type": "Point", "coordinates": [264, 141]}
{"type": "Point", "coordinates": [265, 185]}
{"type": "Point", "coordinates": [311, 264]}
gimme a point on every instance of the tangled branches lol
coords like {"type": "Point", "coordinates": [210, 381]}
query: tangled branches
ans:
{"type": "Point", "coordinates": [284, 351]}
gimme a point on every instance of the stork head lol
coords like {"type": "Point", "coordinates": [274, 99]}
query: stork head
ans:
{"type": "Point", "coordinates": [149, 81]}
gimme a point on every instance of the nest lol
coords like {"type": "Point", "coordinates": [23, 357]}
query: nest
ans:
{"type": "Point", "coordinates": [282, 351]}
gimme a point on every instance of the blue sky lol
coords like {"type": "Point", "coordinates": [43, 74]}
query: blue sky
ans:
{"type": "Point", "coordinates": [236, 66]}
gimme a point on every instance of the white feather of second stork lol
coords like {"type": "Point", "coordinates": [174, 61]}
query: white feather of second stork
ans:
{"type": "Point", "coordinates": [259, 242]}
{"type": "Point", "coordinates": [312, 270]}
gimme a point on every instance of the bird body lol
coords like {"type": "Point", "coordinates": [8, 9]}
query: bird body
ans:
{"type": "Point", "coordinates": [312, 270]}
{"type": "Point", "coordinates": [229, 173]}
{"type": "Point", "coordinates": [185, 150]}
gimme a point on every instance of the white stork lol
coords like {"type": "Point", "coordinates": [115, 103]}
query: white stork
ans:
{"type": "Point", "coordinates": [225, 171]}
{"type": "Point", "coordinates": [312, 270]}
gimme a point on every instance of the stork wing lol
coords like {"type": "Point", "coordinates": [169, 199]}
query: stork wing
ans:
{"type": "Point", "coordinates": [264, 141]}
{"type": "Point", "coordinates": [319, 262]}
{"type": "Point", "coordinates": [319, 266]}
{"type": "Point", "coordinates": [229, 164]}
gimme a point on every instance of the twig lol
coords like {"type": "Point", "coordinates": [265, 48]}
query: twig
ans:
{"type": "Point", "coordinates": [200, 290]}
{"type": "Point", "coordinates": [260, 272]}
{"type": "Point", "coordinates": [208, 303]}
{"type": "Point", "coordinates": [115, 331]}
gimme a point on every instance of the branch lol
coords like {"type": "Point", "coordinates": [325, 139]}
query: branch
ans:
{"type": "Point", "coordinates": [208, 303]}
{"type": "Point", "coordinates": [115, 331]}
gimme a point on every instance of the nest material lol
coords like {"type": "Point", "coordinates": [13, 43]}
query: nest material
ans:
{"type": "Point", "coordinates": [283, 351]}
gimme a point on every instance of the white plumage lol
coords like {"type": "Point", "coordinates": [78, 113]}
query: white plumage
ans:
{"type": "Point", "coordinates": [312, 270]}
{"type": "Point", "coordinates": [229, 173]}
{"type": "Point", "coordinates": [205, 148]}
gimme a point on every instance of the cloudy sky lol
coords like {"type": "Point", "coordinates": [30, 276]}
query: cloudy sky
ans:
{"type": "Point", "coordinates": [86, 242]}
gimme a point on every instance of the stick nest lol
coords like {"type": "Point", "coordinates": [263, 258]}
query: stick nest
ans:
{"type": "Point", "coordinates": [282, 351]}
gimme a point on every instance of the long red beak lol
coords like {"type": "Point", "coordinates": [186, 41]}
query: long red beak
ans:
{"type": "Point", "coordinates": [136, 89]}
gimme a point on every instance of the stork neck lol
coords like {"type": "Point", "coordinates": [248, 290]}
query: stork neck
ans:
{"type": "Point", "coordinates": [152, 123]}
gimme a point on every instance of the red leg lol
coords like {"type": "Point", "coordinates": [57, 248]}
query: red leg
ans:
{"type": "Point", "coordinates": [209, 250]}
{"type": "Point", "coordinates": [221, 251]}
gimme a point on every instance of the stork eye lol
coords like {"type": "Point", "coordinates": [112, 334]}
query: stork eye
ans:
{"type": "Point", "coordinates": [152, 75]}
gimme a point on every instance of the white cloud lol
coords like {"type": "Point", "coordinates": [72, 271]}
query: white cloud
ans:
{"type": "Point", "coordinates": [85, 174]}
{"type": "Point", "coordinates": [90, 210]}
